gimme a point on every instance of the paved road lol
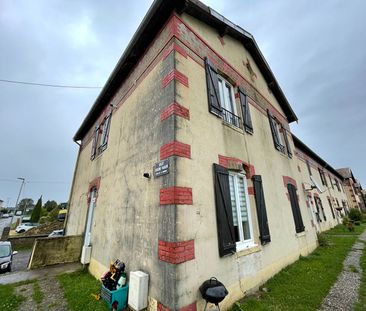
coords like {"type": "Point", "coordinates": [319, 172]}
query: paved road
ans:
{"type": "Point", "coordinates": [20, 260]}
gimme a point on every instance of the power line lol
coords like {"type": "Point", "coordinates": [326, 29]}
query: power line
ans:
{"type": "Point", "coordinates": [36, 181]}
{"type": "Point", "coordinates": [50, 85]}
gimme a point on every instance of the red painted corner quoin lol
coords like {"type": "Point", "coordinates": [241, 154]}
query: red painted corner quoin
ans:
{"type": "Point", "coordinates": [176, 252]}
{"type": "Point", "coordinates": [174, 109]}
{"type": "Point", "coordinates": [175, 148]}
{"type": "Point", "coordinates": [176, 195]}
{"type": "Point", "coordinates": [175, 75]}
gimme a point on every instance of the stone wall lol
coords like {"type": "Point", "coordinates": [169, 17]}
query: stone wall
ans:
{"type": "Point", "coordinates": [51, 251]}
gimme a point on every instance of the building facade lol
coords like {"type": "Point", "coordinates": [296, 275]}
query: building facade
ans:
{"type": "Point", "coordinates": [187, 168]}
{"type": "Point", "coordinates": [353, 189]}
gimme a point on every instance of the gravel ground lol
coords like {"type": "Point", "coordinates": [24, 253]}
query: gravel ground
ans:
{"type": "Point", "coordinates": [344, 292]}
{"type": "Point", "coordinates": [53, 297]}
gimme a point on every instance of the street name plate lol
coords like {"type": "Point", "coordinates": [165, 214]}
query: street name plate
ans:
{"type": "Point", "coordinates": [161, 168]}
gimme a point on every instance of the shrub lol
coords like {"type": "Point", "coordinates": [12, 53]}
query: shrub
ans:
{"type": "Point", "coordinates": [355, 214]}
{"type": "Point", "coordinates": [345, 221]}
{"type": "Point", "coordinates": [322, 239]}
{"type": "Point", "coordinates": [357, 223]}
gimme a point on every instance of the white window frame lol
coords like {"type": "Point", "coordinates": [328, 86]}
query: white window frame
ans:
{"type": "Point", "coordinates": [224, 103]}
{"type": "Point", "coordinates": [279, 131]}
{"type": "Point", "coordinates": [243, 244]}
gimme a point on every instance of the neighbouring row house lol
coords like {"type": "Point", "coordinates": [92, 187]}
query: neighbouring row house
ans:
{"type": "Point", "coordinates": [187, 168]}
{"type": "Point", "coordinates": [353, 189]}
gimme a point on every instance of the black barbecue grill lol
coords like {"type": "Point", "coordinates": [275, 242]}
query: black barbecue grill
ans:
{"type": "Point", "coordinates": [213, 291]}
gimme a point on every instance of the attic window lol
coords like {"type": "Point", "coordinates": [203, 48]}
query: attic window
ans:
{"type": "Point", "coordinates": [101, 134]}
{"type": "Point", "coordinates": [247, 64]}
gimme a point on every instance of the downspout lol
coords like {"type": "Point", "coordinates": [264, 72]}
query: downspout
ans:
{"type": "Point", "coordinates": [72, 188]}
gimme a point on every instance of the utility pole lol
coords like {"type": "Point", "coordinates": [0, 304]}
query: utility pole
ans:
{"type": "Point", "coordinates": [20, 191]}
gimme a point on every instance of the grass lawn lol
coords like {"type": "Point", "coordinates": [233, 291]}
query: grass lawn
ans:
{"type": "Point", "coordinates": [361, 305]}
{"type": "Point", "coordinates": [342, 230]}
{"type": "Point", "coordinates": [9, 301]}
{"type": "Point", "coordinates": [79, 287]}
{"type": "Point", "coordinates": [304, 284]}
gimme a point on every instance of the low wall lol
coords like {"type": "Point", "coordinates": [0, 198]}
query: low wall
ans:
{"type": "Point", "coordinates": [51, 251]}
{"type": "Point", "coordinates": [24, 240]}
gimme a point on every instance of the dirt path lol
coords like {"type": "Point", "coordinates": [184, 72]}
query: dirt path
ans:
{"type": "Point", "coordinates": [344, 293]}
{"type": "Point", "coordinates": [51, 295]}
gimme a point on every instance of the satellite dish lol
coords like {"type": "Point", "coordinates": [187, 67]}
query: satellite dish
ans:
{"type": "Point", "coordinates": [316, 185]}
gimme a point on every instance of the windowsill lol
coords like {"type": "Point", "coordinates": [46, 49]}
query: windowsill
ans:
{"type": "Point", "coordinates": [235, 128]}
{"type": "Point", "coordinates": [250, 249]}
{"type": "Point", "coordinates": [300, 234]}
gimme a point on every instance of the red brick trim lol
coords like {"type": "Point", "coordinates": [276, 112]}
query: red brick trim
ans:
{"type": "Point", "coordinates": [289, 180]}
{"type": "Point", "coordinates": [177, 48]}
{"type": "Point", "coordinates": [228, 161]}
{"type": "Point", "coordinates": [175, 148]}
{"type": "Point", "coordinates": [176, 195]}
{"type": "Point", "coordinates": [161, 307]}
{"type": "Point", "coordinates": [176, 252]}
{"type": "Point", "coordinates": [315, 194]}
{"type": "Point", "coordinates": [95, 183]}
{"type": "Point", "coordinates": [190, 307]}
{"type": "Point", "coordinates": [174, 109]}
{"type": "Point", "coordinates": [175, 75]}
{"type": "Point", "coordinates": [251, 190]}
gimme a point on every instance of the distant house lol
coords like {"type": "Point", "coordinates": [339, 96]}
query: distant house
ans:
{"type": "Point", "coordinates": [187, 168]}
{"type": "Point", "coordinates": [353, 189]}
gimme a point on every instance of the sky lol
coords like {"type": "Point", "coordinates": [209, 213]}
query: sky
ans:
{"type": "Point", "coordinates": [316, 49]}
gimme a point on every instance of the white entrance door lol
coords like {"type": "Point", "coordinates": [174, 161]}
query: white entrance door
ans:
{"type": "Point", "coordinates": [89, 221]}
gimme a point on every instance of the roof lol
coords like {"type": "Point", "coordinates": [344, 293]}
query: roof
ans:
{"type": "Point", "coordinates": [346, 172]}
{"type": "Point", "coordinates": [300, 145]}
{"type": "Point", "coordinates": [153, 21]}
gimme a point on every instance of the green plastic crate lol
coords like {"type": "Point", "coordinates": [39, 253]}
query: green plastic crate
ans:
{"type": "Point", "coordinates": [119, 295]}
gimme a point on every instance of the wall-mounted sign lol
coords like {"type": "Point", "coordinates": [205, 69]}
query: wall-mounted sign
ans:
{"type": "Point", "coordinates": [161, 168]}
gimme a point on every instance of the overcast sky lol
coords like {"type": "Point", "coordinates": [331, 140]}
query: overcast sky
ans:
{"type": "Point", "coordinates": [316, 49]}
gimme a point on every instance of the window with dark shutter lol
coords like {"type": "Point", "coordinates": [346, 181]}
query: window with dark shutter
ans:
{"type": "Point", "coordinates": [319, 206]}
{"type": "Point", "coordinates": [94, 144]}
{"type": "Point", "coordinates": [224, 217]}
{"type": "Point", "coordinates": [322, 177]}
{"type": "Point", "coordinates": [331, 207]}
{"type": "Point", "coordinates": [309, 168]}
{"type": "Point", "coordinates": [247, 119]}
{"type": "Point", "coordinates": [331, 182]}
{"type": "Point", "coordinates": [265, 236]}
{"type": "Point", "coordinates": [105, 132]}
{"type": "Point", "coordinates": [299, 225]}
{"type": "Point", "coordinates": [212, 88]}
{"type": "Point", "coordinates": [275, 132]}
{"type": "Point", "coordinates": [288, 147]}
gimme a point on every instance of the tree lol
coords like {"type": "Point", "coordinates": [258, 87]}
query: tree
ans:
{"type": "Point", "coordinates": [25, 203]}
{"type": "Point", "coordinates": [36, 214]}
{"type": "Point", "coordinates": [50, 205]}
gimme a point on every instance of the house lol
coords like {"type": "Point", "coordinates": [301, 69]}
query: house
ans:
{"type": "Point", "coordinates": [187, 168]}
{"type": "Point", "coordinates": [323, 193]}
{"type": "Point", "coordinates": [353, 189]}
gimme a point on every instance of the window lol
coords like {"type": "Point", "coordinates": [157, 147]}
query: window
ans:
{"type": "Point", "coordinates": [299, 225]}
{"type": "Point", "coordinates": [331, 183]}
{"type": "Point", "coordinates": [233, 217]}
{"type": "Point", "coordinates": [240, 210]}
{"type": "Point", "coordinates": [309, 168]}
{"type": "Point", "coordinates": [331, 207]}
{"type": "Point", "coordinates": [100, 139]}
{"type": "Point", "coordinates": [279, 134]}
{"type": "Point", "coordinates": [221, 99]}
{"type": "Point", "coordinates": [337, 184]}
{"type": "Point", "coordinates": [227, 101]}
{"type": "Point", "coordinates": [322, 177]}
{"type": "Point", "coordinates": [319, 206]}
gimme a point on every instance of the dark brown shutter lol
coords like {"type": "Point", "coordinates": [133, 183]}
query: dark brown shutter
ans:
{"type": "Point", "coordinates": [331, 207]}
{"type": "Point", "coordinates": [299, 226]}
{"type": "Point", "coordinates": [224, 215]}
{"type": "Point", "coordinates": [247, 119]}
{"type": "Point", "coordinates": [288, 147]}
{"type": "Point", "coordinates": [213, 94]}
{"type": "Point", "coordinates": [94, 145]}
{"type": "Point", "coordinates": [106, 127]}
{"type": "Point", "coordinates": [276, 139]}
{"type": "Point", "coordinates": [265, 236]}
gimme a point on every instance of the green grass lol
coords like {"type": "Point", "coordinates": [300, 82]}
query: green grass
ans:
{"type": "Point", "coordinates": [9, 300]}
{"type": "Point", "coordinates": [78, 287]}
{"type": "Point", "coordinates": [361, 304]}
{"type": "Point", "coordinates": [342, 230]}
{"type": "Point", "coordinates": [304, 284]}
{"type": "Point", "coordinates": [37, 293]}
